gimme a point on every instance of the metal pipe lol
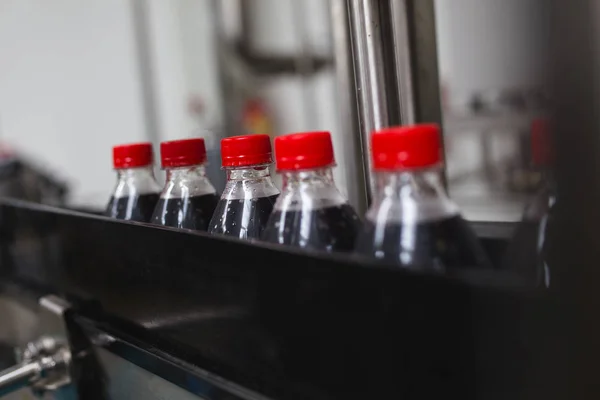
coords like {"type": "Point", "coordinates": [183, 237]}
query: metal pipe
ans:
{"type": "Point", "coordinates": [17, 377]}
{"type": "Point", "coordinates": [400, 32]}
{"type": "Point", "coordinates": [370, 78]}
{"type": "Point", "coordinates": [423, 60]}
{"type": "Point", "coordinates": [347, 107]}
{"type": "Point", "coordinates": [395, 66]}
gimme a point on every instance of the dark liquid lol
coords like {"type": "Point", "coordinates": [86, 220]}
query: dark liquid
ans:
{"type": "Point", "coordinates": [244, 219]}
{"type": "Point", "coordinates": [189, 213]}
{"type": "Point", "coordinates": [133, 208]}
{"type": "Point", "coordinates": [330, 229]}
{"type": "Point", "coordinates": [525, 253]}
{"type": "Point", "coordinates": [439, 245]}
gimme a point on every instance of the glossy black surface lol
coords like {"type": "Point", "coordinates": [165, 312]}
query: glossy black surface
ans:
{"type": "Point", "coordinates": [189, 213]}
{"type": "Point", "coordinates": [132, 208]}
{"type": "Point", "coordinates": [528, 250]}
{"type": "Point", "coordinates": [329, 229]}
{"type": "Point", "coordinates": [131, 347]}
{"type": "Point", "coordinates": [295, 325]}
{"type": "Point", "coordinates": [526, 253]}
{"type": "Point", "coordinates": [442, 245]}
{"type": "Point", "coordinates": [244, 219]}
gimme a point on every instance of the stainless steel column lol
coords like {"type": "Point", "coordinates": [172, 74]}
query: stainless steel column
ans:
{"type": "Point", "coordinates": [420, 20]}
{"type": "Point", "coordinates": [402, 60]}
{"type": "Point", "coordinates": [356, 172]}
{"type": "Point", "coordinates": [369, 73]}
{"type": "Point", "coordinates": [395, 67]}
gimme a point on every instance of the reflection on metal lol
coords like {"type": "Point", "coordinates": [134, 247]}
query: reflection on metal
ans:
{"type": "Point", "coordinates": [44, 364]}
{"type": "Point", "coordinates": [395, 65]}
{"type": "Point", "coordinates": [402, 68]}
{"type": "Point", "coordinates": [369, 70]}
{"type": "Point", "coordinates": [347, 107]}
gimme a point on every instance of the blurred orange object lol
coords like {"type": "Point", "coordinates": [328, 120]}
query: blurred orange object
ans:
{"type": "Point", "coordinates": [256, 118]}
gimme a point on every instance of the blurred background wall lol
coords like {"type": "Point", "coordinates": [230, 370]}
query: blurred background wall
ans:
{"type": "Point", "coordinates": [78, 77]}
{"type": "Point", "coordinates": [70, 87]}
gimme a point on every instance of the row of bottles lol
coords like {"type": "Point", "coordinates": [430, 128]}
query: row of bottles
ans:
{"type": "Point", "coordinates": [412, 221]}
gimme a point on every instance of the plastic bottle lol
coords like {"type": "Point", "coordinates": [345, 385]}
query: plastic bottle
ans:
{"type": "Point", "coordinates": [412, 222]}
{"type": "Point", "coordinates": [136, 192]}
{"type": "Point", "coordinates": [310, 212]}
{"type": "Point", "coordinates": [188, 199]}
{"type": "Point", "coordinates": [249, 194]}
{"type": "Point", "coordinates": [526, 253]}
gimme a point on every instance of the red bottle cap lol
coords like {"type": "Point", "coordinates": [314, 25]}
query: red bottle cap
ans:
{"type": "Point", "coordinates": [182, 153]}
{"type": "Point", "coordinates": [542, 152]}
{"type": "Point", "coordinates": [406, 147]}
{"type": "Point", "coordinates": [306, 150]}
{"type": "Point", "coordinates": [132, 155]}
{"type": "Point", "coordinates": [241, 151]}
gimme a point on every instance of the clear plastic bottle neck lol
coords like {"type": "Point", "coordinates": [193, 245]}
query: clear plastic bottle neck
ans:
{"type": "Point", "coordinates": [248, 173]}
{"type": "Point", "coordinates": [319, 177]}
{"type": "Point", "coordinates": [187, 181]}
{"type": "Point", "coordinates": [186, 172]}
{"type": "Point", "coordinates": [133, 173]}
{"type": "Point", "coordinates": [411, 196]}
{"type": "Point", "coordinates": [136, 181]}
{"type": "Point", "coordinates": [309, 189]}
{"type": "Point", "coordinates": [248, 183]}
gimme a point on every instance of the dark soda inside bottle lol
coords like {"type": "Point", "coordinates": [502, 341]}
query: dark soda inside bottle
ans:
{"type": "Point", "coordinates": [134, 208]}
{"type": "Point", "coordinates": [329, 228]}
{"type": "Point", "coordinates": [412, 222]}
{"type": "Point", "coordinates": [310, 212]}
{"type": "Point", "coordinates": [447, 243]}
{"type": "Point", "coordinates": [137, 191]}
{"type": "Point", "coordinates": [249, 194]}
{"type": "Point", "coordinates": [188, 199]}
{"type": "Point", "coordinates": [192, 212]}
{"type": "Point", "coordinates": [245, 219]}
{"type": "Point", "coordinates": [526, 254]}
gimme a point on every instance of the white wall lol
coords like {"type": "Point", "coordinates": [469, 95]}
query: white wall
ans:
{"type": "Point", "coordinates": [285, 96]}
{"type": "Point", "coordinates": [277, 29]}
{"type": "Point", "coordinates": [278, 25]}
{"type": "Point", "coordinates": [489, 44]}
{"type": "Point", "coordinates": [69, 87]}
{"type": "Point", "coordinates": [70, 83]}
{"type": "Point", "coordinates": [486, 46]}
{"type": "Point", "coordinates": [184, 58]}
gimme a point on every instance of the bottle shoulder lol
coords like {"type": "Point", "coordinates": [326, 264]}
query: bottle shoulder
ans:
{"type": "Point", "coordinates": [411, 210]}
{"type": "Point", "coordinates": [193, 186]}
{"type": "Point", "coordinates": [309, 197]}
{"type": "Point", "coordinates": [127, 187]}
{"type": "Point", "coordinates": [243, 189]}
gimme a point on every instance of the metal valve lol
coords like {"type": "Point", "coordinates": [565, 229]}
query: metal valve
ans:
{"type": "Point", "coordinates": [44, 364]}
